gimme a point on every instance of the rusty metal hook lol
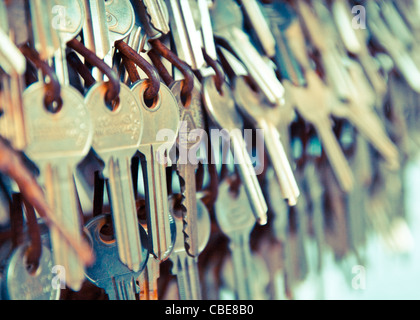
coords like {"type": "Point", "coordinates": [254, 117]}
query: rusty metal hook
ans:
{"type": "Point", "coordinates": [154, 79]}
{"type": "Point", "coordinates": [74, 61]}
{"type": "Point", "coordinates": [219, 78]}
{"type": "Point", "coordinates": [52, 87]}
{"type": "Point", "coordinates": [35, 250]}
{"type": "Point", "coordinates": [188, 82]}
{"type": "Point", "coordinates": [114, 82]}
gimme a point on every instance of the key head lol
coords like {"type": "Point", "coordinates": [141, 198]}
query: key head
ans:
{"type": "Point", "coordinates": [21, 284]}
{"type": "Point", "coordinates": [253, 104]}
{"type": "Point", "coordinates": [225, 14]}
{"type": "Point", "coordinates": [120, 129]}
{"type": "Point", "coordinates": [233, 213]}
{"type": "Point", "coordinates": [120, 18]}
{"type": "Point", "coordinates": [191, 115]}
{"type": "Point", "coordinates": [64, 134]}
{"type": "Point", "coordinates": [163, 114]}
{"type": "Point", "coordinates": [221, 107]}
{"type": "Point", "coordinates": [203, 225]}
{"type": "Point", "coordinates": [313, 101]}
{"type": "Point", "coordinates": [68, 18]}
{"type": "Point", "coordinates": [107, 264]}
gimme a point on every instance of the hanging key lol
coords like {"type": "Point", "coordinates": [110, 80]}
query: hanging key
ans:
{"type": "Point", "coordinates": [260, 26]}
{"type": "Point", "coordinates": [190, 136]}
{"type": "Point", "coordinates": [45, 36]}
{"type": "Point", "coordinates": [183, 265]}
{"type": "Point", "coordinates": [58, 141]}
{"type": "Point", "coordinates": [108, 272]}
{"type": "Point", "coordinates": [120, 18]}
{"type": "Point", "coordinates": [154, 17]}
{"type": "Point", "coordinates": [227, 22]}
{"type": "Point", "coordinates": [95, 28]}
{"type": "Point", "coordinates": [221, 109]}
{"type": "Point", "coordinates": [185, 33]}
{"type": "Point", "coordinates": [163, 115]}
{"type": "Point", "coordinates": [149, 278]}
{"type": "Point", "coordinates": [234, 217]}
{"type": "Point", "coordinates": [266, 118]}
{"type": "Point", "coordinates": [68, 19]}
{"type": "Point", "coordinates": [314, 104]}
{"type": "Point", "coordinates": [117, 135]}
{"type": "Point", "coordinates": [19, 283]}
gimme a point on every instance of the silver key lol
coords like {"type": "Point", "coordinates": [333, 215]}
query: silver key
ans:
{"type": "Point", "coordinates": [183, 265]}
{"type": "Point", "coordinates": [314, 104]}
{"type": "Point", "coordinates": [13, 63]}
{"type": "Point", "coordinates": [95, 29]}
{"type": "Point", "coordinates": [163, 115]}
{"type": "Point", "coordinates": [227, 22]}
{"type": "Point", "coordinates": [154, 16]}
{"type": "Point", "coordinates": [68, 19]}
{"type": "Point", "coordinates": [45, 36]}
{"type": "Point", "coordinates": [185, 33]}
{"type": "Point", "coordinates": [58, 142]}
{"type": "Point", "coordinates": [117, 135]}
{"type": "Point", "coordinates": [21, 284]}
{"type": "Point", "coordinates": [120, 17]}
{"type": "Point", "coordinates": [260, 26]}
{"type": "Point", "coordinates": [234, 218]}
{"type": "Point", "coordinates": [108, 272]}
{"type": "Point", "coordinates": [189, 140]}
{"type": "Point", "coordinates": [221, 109]}
{"type": "Point", "coordinates": [266, 118]}
{"type": "Point", "coordinates": [149, 278]}
{"type": "Point", "coordinates": [207, 29]}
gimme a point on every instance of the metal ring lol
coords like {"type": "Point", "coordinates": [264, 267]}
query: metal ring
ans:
{"type": "Point", "coordinates": [114, 82]}
{"type": "Point", "coordinates": [188, 82]}
{"type": "Point", "coordinates": [154, 78]}
{"type": "Point", "coordinates": [53, 88]}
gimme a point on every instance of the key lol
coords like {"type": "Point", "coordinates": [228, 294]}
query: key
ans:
{"type": "Point", "coordinates": [355, 42]}
{"type": "Point", "coordinates": [234, 218]}
{"type": "Point", "coordinates": [283, 20]}
{"type": "Point", "coordinates": [227, 23]}
{"type": "Point", "coordinates": [120, 18]}
{"type": "Point", "coordinates": [57, 143]}
{"type": "Point", "coordinates": [314, 104]}
{"type": "Point", "coordinates": [95, 28]}
{"type": "Point", "coordinates": [108, 272]}
{"type": "Point", "coordinates": [185, 32]}
{"type": "Point", "coordinates": [68, 18]}
{"type": "Point", "coordinates": [222, 111]}
{"type": "Point", "coordinates": [260, 26]}
{"type": "Point", "coordinates": [21, 284]}
{"type": "Point", "coordinates": [360, 114]}
{"type": "Point", "coordinates": [117, 135]}
{"type": "Point", "coordinates": [149, 278]}
{"type": "Point", "coordinates": [183, 265]}
{"type": "Point", "coordinates": [393, 46]}
{"type": "Point", "coordinates": [189, 140]}
{"type": "Point", "coordinates": [13, 63]}
{"type": "Point", "coordinates": [266, 118]}
{"type": "Point", "coordinates": [154, 17]}
{"type": "Point", "coordinates": [162, 115]}
{"type": "Point", "coordinates": [207, 29]}
{"type": "Point", "coordinates": [45, 36]}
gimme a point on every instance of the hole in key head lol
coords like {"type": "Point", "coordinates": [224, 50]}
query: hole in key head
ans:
{"type": "Point", "coordinates": [113, 104]}
{"type": "Point", "coordinates": [106, 233]}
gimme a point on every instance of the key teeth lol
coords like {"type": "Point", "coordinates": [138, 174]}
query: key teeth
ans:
{"type": "Point", "coordinates": [184, 214]}
{"type": "Point", "coordinates": [152, 22]}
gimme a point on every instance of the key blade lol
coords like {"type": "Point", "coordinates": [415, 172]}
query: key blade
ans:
{"type": "Point", "coordinates": [260, 26]}
{"type": "Point", "coordinates": [124, 213]}
{"type": "Point", "coordinates": [95, 28]}
{"type": "Point", "coordinates": [12, 60]}
{"type": "Point", "coordinates": [158, 14]}
{"type": "Point", "coordinates": [46, 39]}
{"type": "Point", "coordinates": [188, 189]}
